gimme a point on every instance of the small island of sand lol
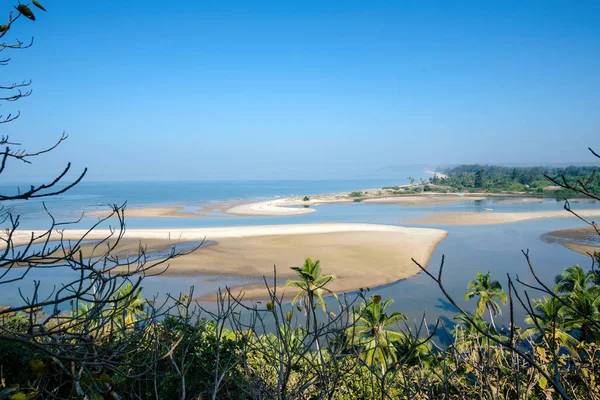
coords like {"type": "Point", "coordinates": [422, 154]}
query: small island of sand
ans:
{"type": "Point", "coordinates": [298, 206]}
{"type": "Point", "coordinates": [490, 218]}
{"type": "Point", "coordinates": [581, 240]}
{"type": "Point", "coordinates": [360, 255]}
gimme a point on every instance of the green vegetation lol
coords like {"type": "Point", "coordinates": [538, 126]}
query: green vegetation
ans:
{"type": "Point", "coordinates": [490, 178]}
{"type": "Point", "coordinates": [369, 332]}
{"type": "Point", "coordinates": [359, 351]}
{"type": "Point", "coordinates": [306, 198]}
{"type": "Point", "coordinates": [311, 284]}
{"type": "Point", "coordinates": [356, 194]}
{"type": "Point", "coordinates": [487, 291]}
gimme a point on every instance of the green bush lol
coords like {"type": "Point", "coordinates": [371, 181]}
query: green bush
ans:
{"type": "Point", "coordinates": [356, 194]}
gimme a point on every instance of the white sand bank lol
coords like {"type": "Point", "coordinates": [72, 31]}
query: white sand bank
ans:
{"type": "Point", "coordinates": [360, 255]}
{"type": "Point", "coordinates": [489, 218]}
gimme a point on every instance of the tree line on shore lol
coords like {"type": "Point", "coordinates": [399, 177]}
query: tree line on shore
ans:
{"type": "Point", "coordinates": [534, 180]}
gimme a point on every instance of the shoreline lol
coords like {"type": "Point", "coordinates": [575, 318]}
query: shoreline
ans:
{"type": "Point", "coordinates": [493, 218]}
{"type": "Point", "coordinates": [293, 206]}
{"type": "Point", "coordinates": [360, 255]}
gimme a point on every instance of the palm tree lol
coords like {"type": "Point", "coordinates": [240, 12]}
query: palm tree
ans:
{"type": "Point", "coordinates": [578, 289]}
{"type": "Point", "coordinates": [488, 291]}
{"type": "Point", "coordinates": [572, 279]}
{"type": "Point", "coordinates": [311, 285]}
{"type": "Point", "coordinates": [550, 317]}
{"type": "Point", "coordinates": [369, 332]}
{"type": "Point", "coordinates": [129, 305]}
{"type": "Point", "coordinates": [583, 313]}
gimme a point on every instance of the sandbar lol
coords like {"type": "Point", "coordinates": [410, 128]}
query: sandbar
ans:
{"type": "Point", "coordinates": [279, 207]}
{"type": "Point", "coordinates": [360, 255]}
{"type": "Point", "coordinates": [520, 200]}
{"type": "Point", "coordinates": [424, 200]}
{"type": "Point", "coordinates": [175, 211]}
{"type": "Point", "coordinates": [297, 206]}
{"type": "Point", "coordinates": [490, 218]}
{"type": "Point", "coordinates": [581, 240]}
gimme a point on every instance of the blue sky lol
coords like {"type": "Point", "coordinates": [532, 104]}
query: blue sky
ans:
{"type": "Point", "coordinates": [323, 89]}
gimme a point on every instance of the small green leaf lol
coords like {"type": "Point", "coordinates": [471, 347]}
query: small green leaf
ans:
{"type": "Point", "coordinates": [38, 5]}
{"type": "Point", "coordinates": [26, 11]}
{"type": "Point", "coordinates": [37, 367]}
{"type": "Point", "coordinates": [3, 28]}
{"type": "Point", "coordinates": [288, 316]}
{"type": "Point", "coordinates": [543, 382]}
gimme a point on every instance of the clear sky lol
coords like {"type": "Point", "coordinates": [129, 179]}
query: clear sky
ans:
{"type": "Point", "coordinates": [311, 89]}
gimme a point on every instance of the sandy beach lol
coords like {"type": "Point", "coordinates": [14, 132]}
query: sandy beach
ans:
{"type": "Point", "coordinates": [582, 240]}
{"type": "Point", "coordinates": [279, 207]}
{"type": "Point", "coordinates": [489, 218]}
{"type": "Point", "coordinates": [361, 255]}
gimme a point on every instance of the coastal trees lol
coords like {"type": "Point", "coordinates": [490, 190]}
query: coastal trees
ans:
{"type": "Point", "coordinates": [580, 297]}
{"type": "Point", "coordinates": [572, 279]}
{"type": "Point", "coordinates": [312, 284]}
{"type": "Point", "coordinates": [478, 179]}
{"type": "Point", "coordinates": [370, 332]}
{"type": "Point", "coordinates": [547, 324]}
{"type": "Point", "coordinates": [488, 291]}
{"type": "Point", "coordinates": [541, 180]}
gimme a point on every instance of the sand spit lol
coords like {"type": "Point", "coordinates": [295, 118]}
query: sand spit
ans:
{"type": "Point", "coordinates": [279, 207]}
{"type": "Point", "coordinates": [297, 206]}
{"type": "Point", "coordinates": [204, 211]}
{"type": "Point", "coordinates": [360, 255]}
{"type": "Point", "coordinates": [582, 240]}
{"type": "Point", "coordinates": [490, 218]}
{"type": "Point", "coordinates": [424, 200]}
{"type": "Point", "coordinates": [153, 212]}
